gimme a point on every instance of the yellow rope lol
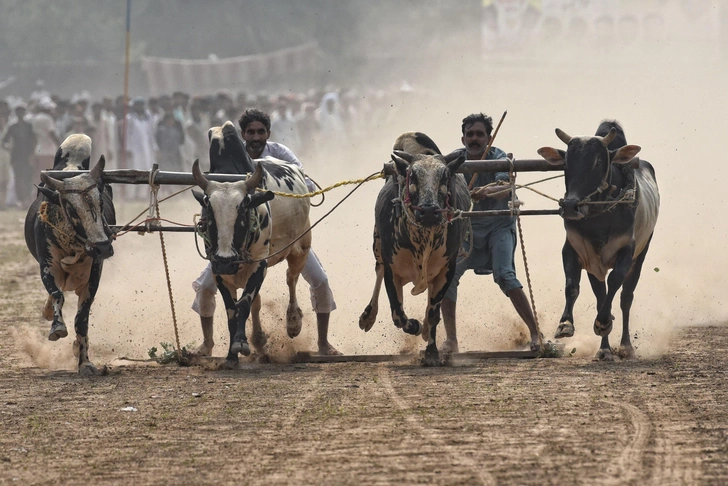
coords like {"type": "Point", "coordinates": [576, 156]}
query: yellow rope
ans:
{"type": "Point", "coordinates": [326, 189]}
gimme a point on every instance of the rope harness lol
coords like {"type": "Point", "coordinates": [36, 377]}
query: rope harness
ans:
{"type": "Point", "coordinates": [405, 201]}
{"type": "Point", "coordinates": [74, 236]}
{"type": "Point", "coordinates": [627, 195]}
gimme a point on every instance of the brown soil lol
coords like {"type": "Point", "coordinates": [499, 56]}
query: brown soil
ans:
{"type": "Point", "coordinates": [548, 421]}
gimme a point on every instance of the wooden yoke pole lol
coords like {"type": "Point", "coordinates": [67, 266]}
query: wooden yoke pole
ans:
{"type": "Point", "coordinates": [487, 149]}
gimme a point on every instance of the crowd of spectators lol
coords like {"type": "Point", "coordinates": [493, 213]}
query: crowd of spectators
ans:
{"type": "Point", "coordinates": [170, 130]}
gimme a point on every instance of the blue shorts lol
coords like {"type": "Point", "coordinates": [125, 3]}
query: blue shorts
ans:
{"type": "Point", "coordinates": [492, 254]}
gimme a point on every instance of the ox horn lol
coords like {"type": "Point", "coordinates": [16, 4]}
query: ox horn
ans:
{"type": "Point", "coordinates": [49, 181]}
{"type": "Point", "coordinates": [98, 169]}
{"type": "Point", "coordinates": [610, 137]}
{"type": "Point", "coordinates": [255, 178]}
{"type": "Point", "coordinates": [563, 136]}
{"type": "Point", "coordinates": [406, 156]}
{"type": "Point", "coordinates": [198, 176]}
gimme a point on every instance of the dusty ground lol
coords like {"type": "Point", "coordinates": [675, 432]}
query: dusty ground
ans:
{"type": "Point", "coordinates": [661, 419]}
{"type": "Point", "coordinates": [551, 421]}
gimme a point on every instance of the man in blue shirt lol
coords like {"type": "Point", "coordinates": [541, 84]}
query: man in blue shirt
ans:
{"type": "Point", "coordinates": [493, 239]}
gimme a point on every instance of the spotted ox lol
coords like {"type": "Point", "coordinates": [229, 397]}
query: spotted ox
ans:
{"type": "Point", "coordinates": [610, 210]}
{"type": "Point", "coordinates": [242, 241]}
{"type": "Point", "coordinates": [67, 232]}
{"type": "Point", "coordinates": [416, 239]}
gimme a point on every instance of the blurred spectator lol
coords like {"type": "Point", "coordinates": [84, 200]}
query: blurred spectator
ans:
{"type": "Point", "coordinates": [170, 136]}
{"type": "Point", "coordinates": [44, 127]}
{"type": "Point", "coordinates": [99, 133]}
{"type": "Point", "coordinates": [196, 134]}
{"type": "Point", "coordinates": [109, 140]}
{"type": "Point", "coordinates": [141, 144]}
{"type": "Point", "coordinates": [20, 140]}
{"type": "Point", "coordinates": [331, 123]}
{"type": "Point", "coordinates": [5, 169]}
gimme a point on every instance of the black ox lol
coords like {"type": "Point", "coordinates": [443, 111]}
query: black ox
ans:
{"type": "Point", "coordinates": [67, 231]}
{"type": "Point", "coordinates": [416, 235]}
{"type": "Point", "coordinates": [610, 210]}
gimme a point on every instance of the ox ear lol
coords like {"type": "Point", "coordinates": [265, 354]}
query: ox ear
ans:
{"type": "Point", "coordinates": [625, 154]}
{"type": "Point", "coordinates": [255, 179]}
{"type": "Point", "coordinates": [260, 198]}
{"type": "Point", "coordinates": [401, 162]}
{"type": "Point", "coordinates": [198, 176]}
{"type": "Point", "coordinates": [201, 198]}
{"type": "Point", "coordinates": [454, 160]}
{"type": "Point", "coordinates": [50, 194]}
{"type": "Point", "coordinates": [552, 156]}
{"type": "Point", "coordinates": [98, 169]}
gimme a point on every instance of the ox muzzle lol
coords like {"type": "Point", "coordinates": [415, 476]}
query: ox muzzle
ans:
{"type": "Point", "coordinates": [225, 265]}
{"type": "Point", "coordinates": [571, 209]}
{"type": "Point", "coordinates": [428, 215]}
{"type": "Point", "coordinates": [101, 249]}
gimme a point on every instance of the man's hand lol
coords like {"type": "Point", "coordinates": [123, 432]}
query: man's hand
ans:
{"type": "Point", "coordinates": [499, 191]}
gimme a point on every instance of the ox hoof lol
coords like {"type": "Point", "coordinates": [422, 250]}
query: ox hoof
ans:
{"type": "Point", "coordinates": [603, 329]}
{"type": "Point", "coordinates": [449, 346]}
{"type": "Point", "coordinates": [259, 340]}
{"type": "Point", "coordinates": [604, 355]}
{"type": "Point", "coordinates": [626, 352]}
{"type": "Point", "coordinates": [58, 331]}
{"type": "Point", "coordinates": [425, 331]}
{"type": "Point", "coordinates": [412, 326]}
{"type": "Point", "coordinates": [88, 369]}
{"type": "Point", "coordinates": [240, 347]}
{"type": "Point", "coordinates": [229, 364]}
{"type": "Point", "coordinates": [367, 318]}
{"type": "Point", "coordinates": [432, 358]}
{"type": "Point", "coordinates": [565, 329]}
{"type": "Point", "coordinates": [294, 321]}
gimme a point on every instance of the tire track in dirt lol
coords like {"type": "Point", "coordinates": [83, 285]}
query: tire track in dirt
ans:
{"type": "Point", "coordinates": [430, 434]}
{"type": "Point", "coordinates": [631, 460]}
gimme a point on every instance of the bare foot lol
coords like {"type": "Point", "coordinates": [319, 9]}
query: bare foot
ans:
{"type": "Point", "coordinates": [449, 346]}
{"type": "Point", "coordinates": [328, 350]}
{"type": "Point", "coordinates": [204, 349]}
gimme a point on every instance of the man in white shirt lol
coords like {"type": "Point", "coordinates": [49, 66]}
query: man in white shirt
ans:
{"type": "Point", "coordinates": [255, 129]}
{"type": "Point", "coordinates": [141, 145]}
{"type": "Point", "coordinates": [44, 128]}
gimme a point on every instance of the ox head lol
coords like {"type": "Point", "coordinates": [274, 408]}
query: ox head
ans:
{"type": "Point", "coordinates": [227, 152]}
{"type": "Point", "coordinates": [82, 205]}
{"type": "Point", "coordinates": [425, 184]}
{"type": "Point", "coordinates": [226, 211]}
{"type": "Point", "coordinates": [587, 165]}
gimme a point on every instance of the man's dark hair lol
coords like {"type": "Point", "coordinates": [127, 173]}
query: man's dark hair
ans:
{"type": "Point", "coordinates": [475, 118]}
{"type": "Point", "coordinates": [252, 115]}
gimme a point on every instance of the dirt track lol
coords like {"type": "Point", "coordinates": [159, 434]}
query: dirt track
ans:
{"type": "Point", "coordinates": [558, 421]}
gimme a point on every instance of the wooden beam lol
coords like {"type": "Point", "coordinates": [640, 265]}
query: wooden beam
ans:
{"type": "Point", "coordinates": [133, 176]}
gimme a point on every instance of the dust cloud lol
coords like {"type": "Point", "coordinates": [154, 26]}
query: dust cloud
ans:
{"type": "Point", "coordinates": [671, 106]}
